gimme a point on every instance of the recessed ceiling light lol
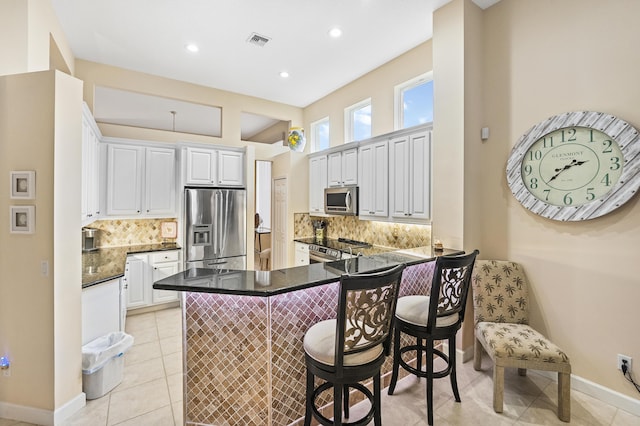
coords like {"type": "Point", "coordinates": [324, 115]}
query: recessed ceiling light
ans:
{"type": "Point", "coordinates": [284, 74]}
{"type": "Point", "coordinates": [335, 32]}
{"type": "Point", "coordinates": [192, 47]}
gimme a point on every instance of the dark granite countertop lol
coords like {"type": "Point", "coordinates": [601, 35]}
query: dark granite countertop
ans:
{"type": "Point", "coordinates": [108, 263]}
{"type": "Point", "coordinates": [268, 283]}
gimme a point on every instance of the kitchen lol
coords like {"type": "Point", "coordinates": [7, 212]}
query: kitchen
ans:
{"type": "Point", "coordinates": [467, 207]}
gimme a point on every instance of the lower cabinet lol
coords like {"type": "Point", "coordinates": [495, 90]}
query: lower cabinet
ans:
{"type": "Point", "coordinates": [101, 310]}
{"type": "Point", "coordinates": [302, 254]}
{"type": "Point", "coordinates": [142, 270]}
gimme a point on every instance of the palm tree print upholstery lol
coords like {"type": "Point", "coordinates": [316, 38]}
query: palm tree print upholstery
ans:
{"type": "Point", "coordinates": [501, 314]}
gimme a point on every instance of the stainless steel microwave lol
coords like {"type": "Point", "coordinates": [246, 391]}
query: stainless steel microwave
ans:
{"type": "Point", "coordinates": [342, 200]}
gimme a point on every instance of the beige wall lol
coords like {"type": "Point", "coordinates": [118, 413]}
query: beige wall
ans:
{"type": "Point", "coordinates": [541, 60]}
{"type": "Point", "coordinates": [232, 104]}
{"type": "Point", "coordinates": [377, 85]}
{"type": "Point", "coordinates": [27, 29]}
{"type": "Point", "coordinates": [40, 130]}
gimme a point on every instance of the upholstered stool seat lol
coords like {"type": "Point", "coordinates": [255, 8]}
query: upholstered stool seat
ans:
{"type": "Point", "coordinates": [415, 310]}
{"type": "Point", "coordinates": [519, 341]}
{"type": "Point", "coordinates": [320, 344]}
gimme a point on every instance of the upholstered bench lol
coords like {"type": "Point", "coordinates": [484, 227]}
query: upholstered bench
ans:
{"type": "Point", "coordinates": [501, 313]}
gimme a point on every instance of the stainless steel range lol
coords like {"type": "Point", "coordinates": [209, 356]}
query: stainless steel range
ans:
{"type": "Point", "coordinates": [329, 250]}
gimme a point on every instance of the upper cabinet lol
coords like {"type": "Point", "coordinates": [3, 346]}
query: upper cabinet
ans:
{"type": "Point", "coordinates": [410, 176]}
{"type": "Point", "coordinates": [90, 167]}
{"type": "Point", "coordinates": [342, 167]}
{"type": "Point", "coordinates": [392, 172]}
{"type": "Point", "coordinates": [373, 175]}
{"type": "Point", "coordinates": [140, 180]}
{"type": "Point", "coordinates": [317, 183]}
{"type": "Point", "coordinates": [214, 167]}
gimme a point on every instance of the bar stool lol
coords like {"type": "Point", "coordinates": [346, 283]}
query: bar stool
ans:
{"type": "Point", "coordinates": [352, 348]}
{"type": "Point", "coordinates": [434, 318]}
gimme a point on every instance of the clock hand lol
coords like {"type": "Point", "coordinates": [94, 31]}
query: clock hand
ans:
{"type": "Point", "coordinates": [573, 162]}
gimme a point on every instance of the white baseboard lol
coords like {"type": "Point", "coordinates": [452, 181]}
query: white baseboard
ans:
{"type": "Point", "coordinates": [39, 416]}
{"type": "Point", "coordinates": [601, 393]}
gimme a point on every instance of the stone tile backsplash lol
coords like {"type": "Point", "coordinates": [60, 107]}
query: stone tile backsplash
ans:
{"type": "Point", "coordinates": [386, 234]}
{"type": "Point", "coordinates": [124, 232]}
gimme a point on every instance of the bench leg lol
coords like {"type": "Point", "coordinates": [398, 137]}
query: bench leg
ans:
{"type": "Point", "coordinates": [477, 355]}
{"type": "Point", "coordinates": [564, 396]}
{"type": "Point", "coordinates": [498, 388]}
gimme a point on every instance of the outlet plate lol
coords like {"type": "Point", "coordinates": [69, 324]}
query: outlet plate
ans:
{"type": "Point", "coordinates": [624, 358]}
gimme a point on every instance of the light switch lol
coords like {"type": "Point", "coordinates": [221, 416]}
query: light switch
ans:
{"type": "Point", "coordinates": [484, 133]}
{"type": "Point", "coordinates": [44, 268]}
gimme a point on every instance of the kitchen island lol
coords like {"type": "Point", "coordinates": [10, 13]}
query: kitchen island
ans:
{"type": "Point", "coordinates": [243, 330]}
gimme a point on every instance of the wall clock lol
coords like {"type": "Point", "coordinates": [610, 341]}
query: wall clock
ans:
{"type": "Point", "coordinates": [575, 166]}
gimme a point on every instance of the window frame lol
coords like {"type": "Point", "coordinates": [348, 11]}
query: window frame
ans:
{"type": "Point", "coordinates": [349, 113]}
{"type": "Point", "coordinates": [315, 126]}
{"type": "Point", "coordinates": [398, 97]}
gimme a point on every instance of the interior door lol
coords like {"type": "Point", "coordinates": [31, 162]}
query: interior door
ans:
{"type": "Point", "coordinates": [279, 230]}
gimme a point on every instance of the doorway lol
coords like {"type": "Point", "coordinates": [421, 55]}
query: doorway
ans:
{"type": "Point", "coordinates": [262, 231]}
{"type": "Point", "coordinates": [280, 255]}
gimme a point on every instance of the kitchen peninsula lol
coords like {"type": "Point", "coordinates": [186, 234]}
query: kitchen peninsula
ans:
{"type": "Point", "coordinates": [243, 331]}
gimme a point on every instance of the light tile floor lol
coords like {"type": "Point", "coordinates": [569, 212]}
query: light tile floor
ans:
{"type": "Point", "coordinates": [151, 391]}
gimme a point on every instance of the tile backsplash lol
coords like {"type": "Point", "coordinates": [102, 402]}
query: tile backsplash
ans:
{"type": "Point", "coordinates": [124, 232]}
{"type": "Point", "coordinates": [386, 234]}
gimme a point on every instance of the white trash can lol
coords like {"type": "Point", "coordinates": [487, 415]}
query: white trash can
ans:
{"type": "Point", "coordinates": [103, 363]}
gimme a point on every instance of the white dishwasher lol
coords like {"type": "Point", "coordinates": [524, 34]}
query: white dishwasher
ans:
{"type": "Point", "coordinates": [101, 312]}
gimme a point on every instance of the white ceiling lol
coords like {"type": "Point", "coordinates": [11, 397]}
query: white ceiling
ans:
{"type": "Point", "coordinates": [150, 36]}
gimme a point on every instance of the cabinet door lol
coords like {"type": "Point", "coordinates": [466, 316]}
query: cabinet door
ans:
{"type": "Point", "coordinates": [302, 254]}
{"type": "Point", "coordinates": [158, 272]}
{"type": "Point", "coordinates": [160, 190]}
{"type": "Point", "coordinates": [399, 180]}
{"type": "Point", "coordinates": [334, 169]}
{"type": "Point", "coordinates": [420, 169]}
{"type": "Point", "coordinates": [317, 183]}
{"type": "Point", "coordinates": [90, 169]}
{"type": "Point", "coordinates": [373, 175]}
{"type": "Point", "coordinates": [100, 310]}
{"type": "Point", "coordinates": [230, 168]}
{"type": "Point", "coordinates": [137, 281]}
{"type": "Point", "coordinates": [350, 167]}
{"type": "Point", "coordinates": [124, 184]}
{"type": "Point", "coordinates": [201, 166]}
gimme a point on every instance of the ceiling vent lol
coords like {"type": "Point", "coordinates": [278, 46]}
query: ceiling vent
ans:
{"type": "Point", "coordinates": [257, 39]}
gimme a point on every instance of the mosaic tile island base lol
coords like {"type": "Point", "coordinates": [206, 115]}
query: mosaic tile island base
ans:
{"type": "Point", "coordinates": [243, 353]}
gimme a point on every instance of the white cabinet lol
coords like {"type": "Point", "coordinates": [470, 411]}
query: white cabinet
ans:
{"type": "Point", "coordinates": [410, 176]}
{"type": "Point", "coordinates": [140, 180]}
{"type": "Point", "coordinates": [214, 167]}
{"type": "Point", "coordinates": [373, 175]}
{"type": "Point", "coordinates": [90, 167]}
{"type": "Point", "coordinates": [201, 166]}
{"type": "Point", "coordinates": [302, 254]}
{"type": "Point", "coordinates": [142, 270]}
{"type": "Point", "coordinates": [230, 168]}
{"type": "Point", "coordinates": [317, 183]}
{"type": "Point", "coordinates": [136, 280]}
{"type": "Point", "coordinates": [101, 310]}
{"type": "Point", "coordinates": [160, 185]}
{"type": "Point", "coordinates": [342, 167]}
{"type": "Point", "coordinates": [163, 264]}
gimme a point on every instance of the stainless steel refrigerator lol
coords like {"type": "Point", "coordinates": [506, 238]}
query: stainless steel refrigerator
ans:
{"type": "Point", "coordinates": [215, 228]}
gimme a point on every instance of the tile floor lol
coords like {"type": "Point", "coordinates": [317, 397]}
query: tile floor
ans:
{"type": "Point", "coordinates": [151, 391]}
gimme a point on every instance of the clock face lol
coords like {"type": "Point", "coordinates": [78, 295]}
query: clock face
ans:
{"type": "Point", "coordinates": [572, 166]}
{"type": "Point", "coordinates": [575, 166]}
